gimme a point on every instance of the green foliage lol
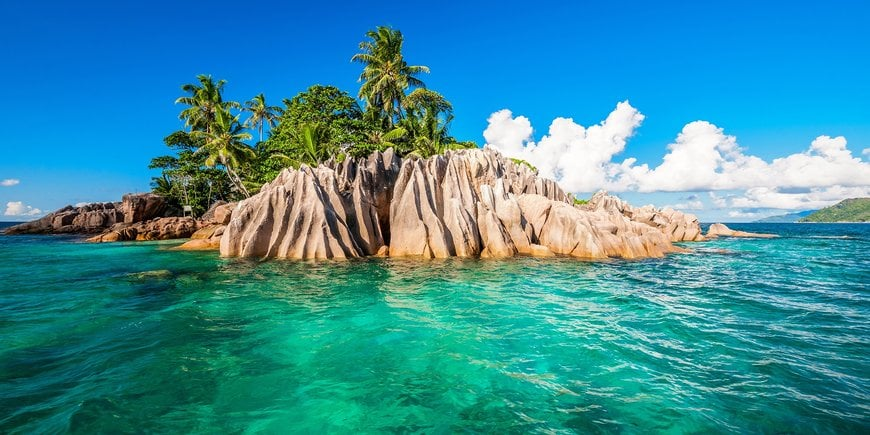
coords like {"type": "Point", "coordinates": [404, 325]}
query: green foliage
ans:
{"type": "Point", "coordinates": [310, 145]}
{"type": "Point", "coordinates": [224, 145]}
{"type": "Point", "coordinates": [580, 201]}
{"type": "Point", "coordinates": [524, 163]}
{"type": "Point", "coordinates": [428, 117]}
{"type": "Point", "coordinates": [320, 124]}
{"type": "Point", "coordinates": [184, 178]}
{"type": "Point", "coordinates": [848, 210]}
{"type": "Point", "coordinates": [317, 124]}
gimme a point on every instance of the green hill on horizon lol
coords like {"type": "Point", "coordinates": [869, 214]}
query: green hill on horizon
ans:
{"type": "Point", "coordinates": [787, 218]}
{"type": "Point", "coordinates": [847, 210]}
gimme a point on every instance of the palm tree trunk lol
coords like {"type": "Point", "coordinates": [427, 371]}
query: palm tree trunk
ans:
{"type": "Point", "coordinates": [237, 181]}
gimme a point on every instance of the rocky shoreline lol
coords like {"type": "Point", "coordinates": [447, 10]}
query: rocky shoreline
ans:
{"type": "Point", "coordinates": [466, 203]}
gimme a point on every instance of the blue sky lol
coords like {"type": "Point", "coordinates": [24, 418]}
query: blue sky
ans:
{"type": "Point", "coordinates": [88, 87]}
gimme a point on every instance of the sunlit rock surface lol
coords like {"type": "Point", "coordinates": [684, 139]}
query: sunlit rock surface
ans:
{"type": "Point", "coordinates": [717, 230]}
{"type": "Point", "coordinates": [676, 225]}
{"type": "Point", "coordinates": [467, 203]}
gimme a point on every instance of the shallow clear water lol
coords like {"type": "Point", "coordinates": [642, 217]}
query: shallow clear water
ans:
{"type": "Point", "coordinates": [741, 336]}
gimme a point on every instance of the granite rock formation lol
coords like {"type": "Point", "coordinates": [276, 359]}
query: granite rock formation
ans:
{"type": "Point", "coordinates": [466, 203]}
{"type": "Point", "coordinates": [678, 226]}
{"type": "Point", "coordinates": [140, 207]}
{"type": "Point", "coordinates": [156, 229]}
{"type": "Point", "coordinates": [717, 230]}
{"type": "Point", "coordinates": [96, 217]}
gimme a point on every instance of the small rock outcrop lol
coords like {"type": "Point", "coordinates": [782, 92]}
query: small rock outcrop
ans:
{"type": "Point", "coordinates": [156, 229]}
{"type": "Point", "coordinates": [466, 203]}
{"type": "Point", "coordinates": [717, 230]}
{"type": "Point", "coordinates": [205, 238]}
{"type": "Point", "coordinates": [678, 226]}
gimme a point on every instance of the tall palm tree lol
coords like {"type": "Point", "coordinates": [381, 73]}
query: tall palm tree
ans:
{"type": "Point", "coordinates": [261, 114]}
{"type": "Point", "coordinates": [224, 144]}
{"type": "Point", "coordinates": [204, 102]}
{"type": "Point", "coordinates": [386, 76]}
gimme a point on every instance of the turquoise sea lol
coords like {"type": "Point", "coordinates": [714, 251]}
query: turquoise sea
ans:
{"type": "Point", "coordinates": [740, 336]}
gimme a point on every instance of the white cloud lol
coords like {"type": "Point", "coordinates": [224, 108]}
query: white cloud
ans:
{"type": "Point", "coordinates": [578, 157]}
{"type": "Point", "coordinates": [702, 158]}
{"type": "Point", "coordinates": [691, 205]}
{"type": "Point", "coordinates": [717, 200]}
{"type": "Point", "coordinates": [81, 204]}
{"type": "Point", "coordinates": [763, 197]}
{"type": "Point", "coordinates": [9, 182]}
{"type": "Point", "coordinates": [18, 208]}
{"type": "Point", "coordinates": [743, 215]}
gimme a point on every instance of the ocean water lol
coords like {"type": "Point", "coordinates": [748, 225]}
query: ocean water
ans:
{"type": "Point", "coordinates": [742, 335]}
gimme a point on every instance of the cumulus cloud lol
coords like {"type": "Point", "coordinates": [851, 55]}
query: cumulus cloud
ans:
{"type": "Point", "coordinates": [9, 182]}
{"type": "Point", "coordinates": [701, 158]}
{"type": "Point", "coordinates": [18, 208]}
{"type": "Point", "coordinates": [764, 197]}
{"type": "Point", "coordinates": [744, 214]}
{"type": "Point", "coordinates": [578, 157]}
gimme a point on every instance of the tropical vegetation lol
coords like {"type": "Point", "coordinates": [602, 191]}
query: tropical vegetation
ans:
{"type": "Point", "coordinates": [214, 157]}
{"type": "Point", "coordinates": [847, 210]}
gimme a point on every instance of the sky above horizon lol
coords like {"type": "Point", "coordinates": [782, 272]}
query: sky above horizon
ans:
{"type": "Point", "coordinates": [730, 110]}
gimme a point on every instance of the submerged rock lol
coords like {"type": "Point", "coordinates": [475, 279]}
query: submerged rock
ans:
{"type": "Point", "coordinates": [466, 203]}
{"type": "Point", "coordinates": [150, 274]}
{"type": "Point", "coordinates": [717, 230]}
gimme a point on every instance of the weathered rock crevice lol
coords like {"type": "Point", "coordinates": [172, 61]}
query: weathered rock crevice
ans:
{"type": "Point", "coordinates": [468, 203]}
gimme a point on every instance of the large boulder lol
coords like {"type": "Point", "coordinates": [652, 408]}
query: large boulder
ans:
{"type": "Point", "coordinates": [205, 238]}
{"type": "Point", "coordinates": [140, 207]}
{"type": "Point", "coordinates": [467, 203]}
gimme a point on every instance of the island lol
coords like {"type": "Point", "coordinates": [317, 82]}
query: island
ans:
{"type": "Point", "coordinates": [381, 175]}
{"type": "Point", "coordinates": [849, 210]}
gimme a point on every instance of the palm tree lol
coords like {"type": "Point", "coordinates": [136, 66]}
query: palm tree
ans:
{"type": "Point", "coordinates": [204, 102]}
{"type": "Point", "coordinates": [383, 140]}
{"type": "Point", "coordinates": [429, 115]}
{"type": "Point", "coordinates": [224, 144]}
{"type": "Point", "coordinates": [261, 114]}
{"type": "Point", "coordinates": [386, 76]}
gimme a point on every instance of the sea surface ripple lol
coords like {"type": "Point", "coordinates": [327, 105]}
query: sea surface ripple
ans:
{"type": "Point", "coordinates": [755, 335]}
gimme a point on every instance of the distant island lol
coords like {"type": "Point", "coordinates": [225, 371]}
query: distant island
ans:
{"type": "Point", "coordinates": [848, 210]}
{"type": "Point", "coordinates": [786, 218]}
